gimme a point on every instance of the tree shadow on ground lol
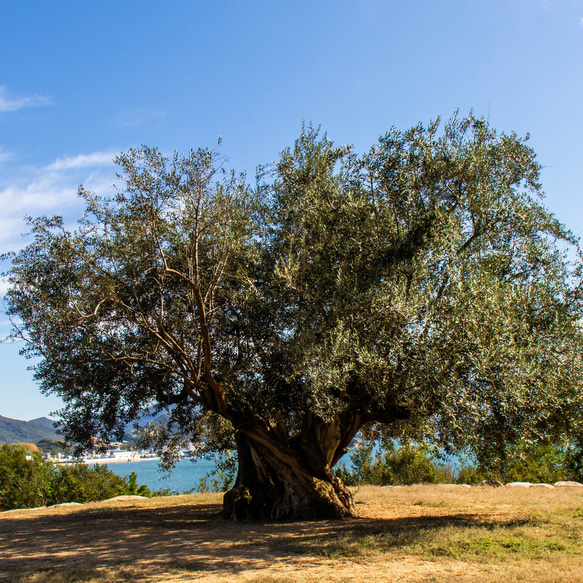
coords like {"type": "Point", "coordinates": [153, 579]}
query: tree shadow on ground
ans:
{"type": "Point", "coordinates": [195, 537]}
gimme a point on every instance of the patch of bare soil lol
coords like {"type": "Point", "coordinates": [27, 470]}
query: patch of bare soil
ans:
{"type": "Point", "coordinates": [412, 534]}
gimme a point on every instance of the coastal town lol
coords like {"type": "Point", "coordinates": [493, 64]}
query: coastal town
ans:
{"type": "Point", "coordinates": [110, 456]}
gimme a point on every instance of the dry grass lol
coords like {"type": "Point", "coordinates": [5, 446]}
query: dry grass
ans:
{"type": "Point", "coordinates": [406, 534]}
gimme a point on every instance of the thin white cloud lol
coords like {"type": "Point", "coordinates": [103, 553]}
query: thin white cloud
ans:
{"type": "Point", "coordinates": [5, 156]}
{"type": "Point", "coordinates": [139, 116]}
{"type": "Point", "coordinates": [83, 161]}
{"type": "Point", "coordinates": [50, 190]}
{"type": "Point", "coordinates": [8, 103]}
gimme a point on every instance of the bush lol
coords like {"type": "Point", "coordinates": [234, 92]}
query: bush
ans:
{"type": "Point", "coordinates": [53, 446]}
{"type": "Point", "coordinates": [24, 483]}
{"type": "Point", "coordinates": [548, 467]}
{"type": "Point", "coordinates": [32, 482]}
{"type": "Point", "coordinates": [408, 466]}
{"type": "Point", "coordinates": [133, 488]}
{"type": "Point", "coordinates": [223, 477]}
{"type": "Point", "coordinates": [29, 448]}
{"type": "Point", "coordinates": [167, 492]}
{"type": "Point", "coordinates": [470, 475]}
{"type": "Point", "coordinates": [394, 466]}
{"type": "Point", "coordinates": [542, 462]}
{"type": "Point", "coordinates": [574, 461]}
{"type": "Point", "coordinates": [81, 483]}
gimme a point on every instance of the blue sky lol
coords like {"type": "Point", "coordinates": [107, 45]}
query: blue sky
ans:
{"type": "Point", "coordinates": [82, 81]}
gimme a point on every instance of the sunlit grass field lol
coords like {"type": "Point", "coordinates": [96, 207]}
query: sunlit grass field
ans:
{"type": "Point", "coordinates": [409, 533]}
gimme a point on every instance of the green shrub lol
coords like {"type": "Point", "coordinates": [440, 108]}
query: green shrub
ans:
{"type": "Point", "coordinates": [223, 477]}
{"type": "Point", "coordinates": [53, 446]}
{"type": "Point", "coordinates": [81, 483]}
{"type": "Point", "coordinates": [167, 492]}
{"type": "Point", "coordinates": [407, 466]}
{"type": "Point", "coordinates": [27, 481]}
{"type": "Point", "coordinates": [546, 465]}
{"type": "Point", "coordinates": [541, 462]}
{"type": "Point", "coordinates": [574, 461]}
{"type": "Point", "coordinates": [537, 463]}
{"type": "Point", "coordinates": [393, 466]}
{"type": "Point", "coordinates": [135, 489]}
{"type": "Point", "coordinates": [29, 448]}
{"type": "Point", "coordinates": [24, 483]}
{"type": "Point", "coordinates": [470, 475]}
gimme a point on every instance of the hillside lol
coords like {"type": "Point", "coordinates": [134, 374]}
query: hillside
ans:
{"type": "Point", "coordinates": [16, 431]}
{"type": "Point", "coordinates": [44, 421]}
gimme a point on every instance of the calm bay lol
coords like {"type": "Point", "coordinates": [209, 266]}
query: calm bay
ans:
{"type": "Point", "coordinates": [185, 475]}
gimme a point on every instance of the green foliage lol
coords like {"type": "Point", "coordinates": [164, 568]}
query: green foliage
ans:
{"type": "Point", "coordinates": [224, 475]}
{"type": "Point", "coordinates": [394, 467]}
{"type": "Point", "coordinates": [81, 483]}
{"type": "Point", "coordinates": [166, 492]}
{"type": "Point", "coordinates": [422, 287]}
{"type": "Point", "coordinates": [543, 462]}
{"type": "Point", "coordinates": [540, 463]}
{"type": "Point", "coordinates": [28, 482]}
{"type": "Point", "coordinates": [471, 476]}
{"type": "Point", "coordinates": [53, 447]}
{"type": "Point", "coordinates": [574, 461]}
{"type": "Point", "coordinates": [134, 488]}
{"type": "Point", "coordinates": [24, 483]}
{"type": "Point", "coordinates": [28, 448]}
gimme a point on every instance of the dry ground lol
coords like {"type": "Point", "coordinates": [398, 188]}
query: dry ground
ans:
{"type": "Point", "coordinates": [404, 534]}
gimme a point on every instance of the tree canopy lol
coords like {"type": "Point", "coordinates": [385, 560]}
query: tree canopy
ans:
{"type": "Point", "coordinates": [421, 289]}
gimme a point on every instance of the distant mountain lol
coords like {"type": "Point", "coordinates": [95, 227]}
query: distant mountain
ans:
{"type": "Point", "coordinates": [45, 421]}
{"type": "Point", "coordinates": [162, 419]}
{"type": "Point", "coordinates": [16, 431]}
{"type": "Point", "coordinates": [132, 429]}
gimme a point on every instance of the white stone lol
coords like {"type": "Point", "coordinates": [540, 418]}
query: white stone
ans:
{"type": "Point", "coordinates": [126, 497]}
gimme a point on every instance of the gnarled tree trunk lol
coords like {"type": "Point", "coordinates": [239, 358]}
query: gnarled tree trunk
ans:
{"type": "Point", "coordinates": [285, 480]}
{"type": "Point", "coordinates": [290, 477]}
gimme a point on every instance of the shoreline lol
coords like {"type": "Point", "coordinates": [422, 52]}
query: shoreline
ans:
{"type": "Point", "coordinates": [98, 461]}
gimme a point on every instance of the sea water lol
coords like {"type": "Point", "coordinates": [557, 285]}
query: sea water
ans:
{"type": "Point", "coordinates": [185, 475]}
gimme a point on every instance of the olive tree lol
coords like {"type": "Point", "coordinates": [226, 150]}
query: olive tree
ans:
{"type": "Point", "coordinates": [421, 289]}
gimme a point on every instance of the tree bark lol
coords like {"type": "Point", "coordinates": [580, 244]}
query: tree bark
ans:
{"type": "Point", "coordinates": [276, 481]}
{"type": "Point", "coordinates": [287, 478]}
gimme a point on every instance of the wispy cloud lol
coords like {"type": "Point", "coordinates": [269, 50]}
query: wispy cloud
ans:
{"type": "Point", "coordinates": [9, 103]}
{"type": "Point", "coordinates": [48, 190]}
{"type": "Point", "coordinates": [139, 116]}
{"type": "Point", "coordinates": [83, 161]}
{"type": "Point", "coordinates": [5, 156]}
